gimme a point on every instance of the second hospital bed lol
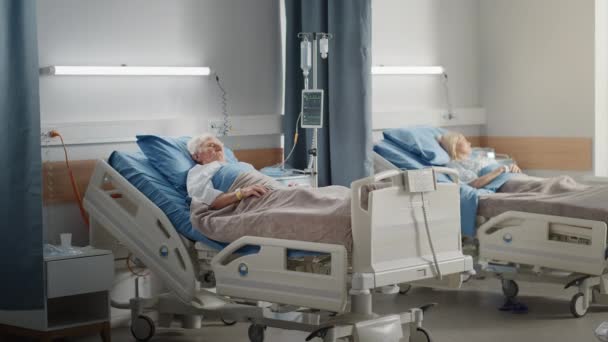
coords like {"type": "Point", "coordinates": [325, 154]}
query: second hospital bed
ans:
{"type": "Point", "coordinates": [132, 201]}
{"type": "Point", "coordinates": [522, 245]}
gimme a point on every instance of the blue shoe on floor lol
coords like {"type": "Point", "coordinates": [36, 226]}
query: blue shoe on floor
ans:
{"type": "Point", "coordinates": [514, 307]}
{"type": "Point", "coordinates": [519, 308]}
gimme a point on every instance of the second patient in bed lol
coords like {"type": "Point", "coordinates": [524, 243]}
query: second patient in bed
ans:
{"type": "Point", "coordinates": [459, 149]}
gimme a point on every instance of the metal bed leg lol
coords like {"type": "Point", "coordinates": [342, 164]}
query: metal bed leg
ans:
{"type": "Point", "coordinates": [361, 302]}
{"type": "Point", "coordinates": [191, 322]}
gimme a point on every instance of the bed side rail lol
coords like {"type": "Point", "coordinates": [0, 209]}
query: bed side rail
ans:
{"type": "Point", "coordinates": [555, 242]}
{"type": "Point", "coordinates": [453, 174]}
{"type": "Point", "coordinates": [142, 227]}
{"type": "Point", "coordinates": [265, 276]}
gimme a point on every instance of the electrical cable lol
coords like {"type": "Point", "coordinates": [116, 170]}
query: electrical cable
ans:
{"type": "Point", "coordinates": [450, 114]}
{"type": "Point", "coordinates": [295, 141]}
{"type": "Point", "coordinates": [313, 145]}
{"type": "Point", "coordinates": [83, 213]}
{"type": "Point", "coordinates": [428, 233]}
{"type": "Point", "coordinates": [47, 166]}
{"type": "Point", "coordinates": [132, 270]}
{"type": "Point", "coordinates": [226, 125]}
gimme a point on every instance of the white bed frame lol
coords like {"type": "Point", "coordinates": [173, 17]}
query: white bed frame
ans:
{"type": "Point", "coordinates": [543, 248]}
{"type": "Point", "coordinates": [390, 246]}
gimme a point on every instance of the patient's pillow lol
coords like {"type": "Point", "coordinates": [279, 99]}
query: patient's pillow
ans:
{"type": "Point", "coordinates": [420, 141]}
{"type": "Point", "coordinates": [171, 158]}
{"type": "Point", "coordinates": [404, 159]}
{"type": "Point", "coordinates": [398, 157]}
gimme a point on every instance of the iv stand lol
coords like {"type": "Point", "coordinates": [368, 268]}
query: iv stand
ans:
{"type": "Point", "coordinates": [317, 38]}
{"type": "Point", "coordinates": [314, 145]}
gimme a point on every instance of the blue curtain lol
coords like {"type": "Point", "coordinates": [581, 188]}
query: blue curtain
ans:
{"type": "Point", "coordinates": [345, 142]}
{"type": "Point", "coordinates": [21, 258]}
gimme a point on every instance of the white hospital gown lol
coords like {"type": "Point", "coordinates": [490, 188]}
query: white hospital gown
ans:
{"type": "Point", "coordinates": [468, 169]}
{"type": "Point", "coordinates": [199, 184]}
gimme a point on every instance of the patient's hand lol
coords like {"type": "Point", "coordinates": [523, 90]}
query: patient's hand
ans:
{"type": "Point", "coordinates": [254, 190]}
{"type": "Point", "coordinates": [514, 168]}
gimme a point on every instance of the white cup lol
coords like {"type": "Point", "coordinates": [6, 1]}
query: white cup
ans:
{"type": "Point", "coordinates": [66, 239]}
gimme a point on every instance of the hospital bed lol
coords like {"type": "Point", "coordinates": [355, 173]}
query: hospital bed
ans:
{"type": "Point", "coordinates": [518, 245]}
{"type": "Point", "coordinates": [252, 279]}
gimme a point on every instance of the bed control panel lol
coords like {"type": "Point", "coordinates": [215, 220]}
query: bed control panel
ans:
{"type": "Point", "coordinates": [419, 180]}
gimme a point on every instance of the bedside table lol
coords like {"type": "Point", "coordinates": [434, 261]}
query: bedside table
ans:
{"type": "Point", "coordinates": [77, 299]}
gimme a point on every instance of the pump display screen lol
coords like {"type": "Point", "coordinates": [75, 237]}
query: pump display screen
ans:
{"type": "Point", "coordinates": [312, 108]}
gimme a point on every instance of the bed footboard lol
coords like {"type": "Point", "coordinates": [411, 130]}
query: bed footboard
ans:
{"type": "Point", "coordinates": [554, 242]}
{"type": "Point", "coordinates": [390, 240]}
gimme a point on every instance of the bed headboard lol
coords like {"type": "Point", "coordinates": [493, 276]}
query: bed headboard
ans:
{"type": "Point", "coordinates": [56, 186]}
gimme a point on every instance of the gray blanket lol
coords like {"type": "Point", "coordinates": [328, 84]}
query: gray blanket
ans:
{"type": "Point", "coordinates": [560, 196]}
{"type": "Point", "coordinates": [297, 213]}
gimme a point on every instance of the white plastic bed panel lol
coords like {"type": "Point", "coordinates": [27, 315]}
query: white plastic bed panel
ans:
{"type": "Point", "coordinates": [142, 227]}
{"type": "Point", "coordinates": [264, 275]}
{"type": "Point", "coordinates": [554, 242]}
{"type": "Point", "coordinates": [390, 238]}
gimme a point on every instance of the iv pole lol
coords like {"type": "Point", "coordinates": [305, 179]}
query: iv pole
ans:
{"type": "Point", "coordinates": [322, 39]}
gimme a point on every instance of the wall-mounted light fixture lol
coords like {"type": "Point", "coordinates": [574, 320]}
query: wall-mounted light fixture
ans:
{"type": "Point", "coordinates": [69, 70]}
{"type": "Point", "coordinates": [419, 70]}
{"type": "Point", "coordinates": [407, 70]}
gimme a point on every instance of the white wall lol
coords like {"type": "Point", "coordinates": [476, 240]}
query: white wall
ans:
{"type": "Point", "coordinates": [238, 39]}
{"type": "Point", "coordinates": [600, 153]}
{"type": "Point", "coordinates": [537, 67]}
{"type": "Point", "coordinates": [426, 32]}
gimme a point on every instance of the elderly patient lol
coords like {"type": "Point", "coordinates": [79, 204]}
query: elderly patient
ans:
{"type": "Point", "coordinates": [459, 149]}
{"type": "Point", "coordinates": [232, 199]}
{"type": "Point", "coordinates": [210, 180]}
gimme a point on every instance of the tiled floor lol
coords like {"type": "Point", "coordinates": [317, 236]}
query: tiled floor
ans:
{"type": "Point", "coordinates": [467, 315]}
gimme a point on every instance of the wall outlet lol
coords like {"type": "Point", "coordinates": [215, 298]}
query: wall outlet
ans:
{"type": "Point", "coordinates": [215, 126]}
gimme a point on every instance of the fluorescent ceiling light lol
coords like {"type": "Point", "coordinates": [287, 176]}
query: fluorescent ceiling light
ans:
{"type": "Point", "coordinates": [124, 71]}
{"type": "Point", "coordinates": [407, 70]}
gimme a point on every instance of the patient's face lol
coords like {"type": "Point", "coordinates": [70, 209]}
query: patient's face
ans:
{"type": "Point", "coordinates": [210, 150]}
{"type": "Point", "coordinates": [463, 148]}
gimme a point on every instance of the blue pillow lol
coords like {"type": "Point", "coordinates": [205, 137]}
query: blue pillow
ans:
{"type": "Point", "coordinates": [138, 170]}
{"type": "Point", "coordinates": [398, 157]}
{"type": "Point", "coordinates": [403, 159]}
{"type": "Point", "coordinates": [229, 155]}
{"type": "Point", "coordinates": [171, 158]}
{"type": "Point", "coordinates": [420, 141]}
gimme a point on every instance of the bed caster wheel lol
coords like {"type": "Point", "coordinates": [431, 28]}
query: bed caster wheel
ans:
{"type": "Point", "coordinates": [142, 328]}
{"type": "Point", "coordinates": [578, 305]}
{"type": "Point", "coordinates": [421, 335]}
{"type": "Point", "coordinates": [256, 333]}
{"type": "Point", "coordinates": [404, 288]}
{"type": "Point", "coordinates": [228, 322]}
{"type": "Point", "coordinates": [510, 289]}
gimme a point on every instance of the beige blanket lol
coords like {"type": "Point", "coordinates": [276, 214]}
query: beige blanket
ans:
{"type": "Point", "coordinates": [560, 196]}
{"type": "Point", "coordinates": [298, 213]}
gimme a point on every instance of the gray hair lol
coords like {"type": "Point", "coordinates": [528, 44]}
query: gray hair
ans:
{"type": "Point", "coordinates": [196, 142]}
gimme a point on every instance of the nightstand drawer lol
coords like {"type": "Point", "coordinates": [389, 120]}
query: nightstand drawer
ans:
{"type": "Point", "coordinates": [73, 276]}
